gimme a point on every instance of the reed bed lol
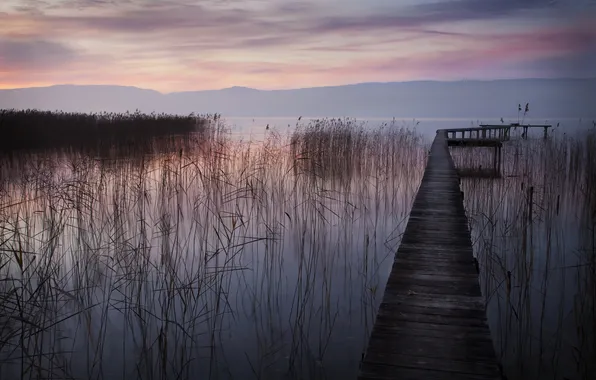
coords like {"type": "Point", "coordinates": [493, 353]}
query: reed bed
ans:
{"type": "Point", "coordinates": [534, 235]}
{"type": "Point", "coordinates": [220, 259]}
{"type": "Point", "coordinates": [34, 129]}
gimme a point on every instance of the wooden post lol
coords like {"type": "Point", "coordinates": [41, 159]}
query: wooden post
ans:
{"type": "Point", "coordinates": [495, 159]}
{"type": "Point", "coordinates": [530, 203]}
{"type": "Point", "coordinates": [545, 132]}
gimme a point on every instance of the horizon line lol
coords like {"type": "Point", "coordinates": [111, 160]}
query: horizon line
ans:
{"type": "Point", "coordinates": [298, 88]}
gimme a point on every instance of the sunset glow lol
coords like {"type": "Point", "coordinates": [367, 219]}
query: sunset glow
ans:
{"type": "Point", "coordinates": [179, 45]}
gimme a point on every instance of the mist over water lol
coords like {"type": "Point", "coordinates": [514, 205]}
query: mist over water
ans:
{"type": "Point", "coordinates": [264, 251]}
{"type": "Point", "coordinates": [534, 235]}
{"type": "Point", "coordinates": [256, 128]}
{"type": "Point", "coordinates": [229, 260]}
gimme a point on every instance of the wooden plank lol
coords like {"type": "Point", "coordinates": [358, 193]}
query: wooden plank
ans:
{"type": "Point", "coordinates": [440, 277]}
{"type": "Point", "coordinates": [432, 323]}
{"type": "Point", "coordinates": [424, 258]}
{"type": "Point", "coordinates": [491, 126]}
{"type": "Point", "coordinates": [472, 367]}
{"type": "Point", "coordinates": [467, 288]}
{"type": "Point", "coordinates": [409, 308]}
{"type": "Point", "coordinates": [401, 316]}
{"type": "Point", "coordinates": [395, 295]}
{"type": "Point", "coordinates": [471, 142]}
{"type": "Point", "coordinates": [429, 245]}
{"type": "Point", "coordinates": [387, 372]}
{"type": "Point", "coordinates": [431, 330]}
{"type": "Point", "coordinates": [436, 268]}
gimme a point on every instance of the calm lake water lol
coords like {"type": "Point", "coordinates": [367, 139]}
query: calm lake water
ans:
{"type": "Point", "coordinates": [257, 256]}
{"type": "Point", "coordinates": [535, 238]}
{"type": "Point", "coordinates": [256, 128]}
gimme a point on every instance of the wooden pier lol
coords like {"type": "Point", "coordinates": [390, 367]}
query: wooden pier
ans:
{"type": "Point", "coordinates": [496, 144]}
{"type": "Point", "coordinates": [431, 323]}
{"type": "Point", "coordinates": [497, 132]}
{"type": "Point", "coordinates": [494, 131]}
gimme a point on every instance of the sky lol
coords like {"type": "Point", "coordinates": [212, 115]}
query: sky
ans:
{"type": "Point", "coordinates": [182, 45]}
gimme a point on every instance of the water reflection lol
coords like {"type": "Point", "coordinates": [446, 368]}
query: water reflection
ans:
{"type": "Point", "coordinates": [215, 259]}
{"type": "Point", "coordinates": [533, 233]}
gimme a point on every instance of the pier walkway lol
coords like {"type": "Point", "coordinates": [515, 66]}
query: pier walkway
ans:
{"type": "Point", "coordinates": [431, 323]}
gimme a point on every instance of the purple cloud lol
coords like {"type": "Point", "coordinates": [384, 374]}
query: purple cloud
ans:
{"type": "Point", "coordinates": [27, 54]}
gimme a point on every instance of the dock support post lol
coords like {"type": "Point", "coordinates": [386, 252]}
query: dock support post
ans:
{"type": "Point", "coordinates": [530, 203]}
{"type": "Point", "coordinates": [545, 132]}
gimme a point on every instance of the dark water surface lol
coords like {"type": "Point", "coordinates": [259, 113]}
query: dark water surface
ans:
{"type": "Point", "coordinates": [255, 255]}
{"type": "Point", "coordinates": [228, 260]}
{"type": "Point", "coordinates": [534, 236]}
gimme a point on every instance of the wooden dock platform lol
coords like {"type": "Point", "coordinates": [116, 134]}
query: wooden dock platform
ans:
{"type": "Point", "coordinates": [471, 142]}
{"type": "Point", "coordinates": [431, 323]}
{"type": "Point", "coordinates": [501, 132]}
{"type": "Point", "coordinates": [479, 173]}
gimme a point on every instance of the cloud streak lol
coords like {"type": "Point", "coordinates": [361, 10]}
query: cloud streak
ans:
{"type": "Point", "coordinates": [34, 54]}
{"type": "Point", "coordinates": [179, 44]}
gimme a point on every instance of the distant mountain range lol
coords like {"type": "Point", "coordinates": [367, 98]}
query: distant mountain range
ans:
{"type": "Point", "coordinates": [470, 99]}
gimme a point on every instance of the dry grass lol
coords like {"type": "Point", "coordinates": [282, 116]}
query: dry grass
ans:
{"type": "Point", "coordinates": [534, 235]}
{"type": "Point", "coordinates": [219, 259]}
{"type": "Point", "coordinates": [33, 129]}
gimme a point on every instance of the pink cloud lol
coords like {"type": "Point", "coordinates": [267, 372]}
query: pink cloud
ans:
{"type": "Point", "coordinates": [169, 46]}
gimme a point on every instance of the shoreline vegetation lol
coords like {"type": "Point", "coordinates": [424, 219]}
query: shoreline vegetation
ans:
{"type": "Point", "coordinates": [34, 129]}
{"type": "Point", "coordinates": [534, 235]}
{"type": "Point", "coordinates": [218, 259]}
{"type": "Point", "coordinates": [182, 253]}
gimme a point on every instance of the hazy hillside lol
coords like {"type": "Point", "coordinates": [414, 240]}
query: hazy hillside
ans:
{"type": "Point", "coordinates": [547, 97]}
{"type": "Point", "coordinates": [81, 98]}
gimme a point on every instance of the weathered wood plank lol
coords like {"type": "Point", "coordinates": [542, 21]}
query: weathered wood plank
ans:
{"type": "Point", "coordinates": [432, 323]}
{"type": "Point", "coordinates": [462, 323]}
{"type": "Point", "coordinates": [474, 142]}
{"type": "Point", "coordinates": [472, 367]}
{"type": "Point", "coordinates": [387, 372]}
